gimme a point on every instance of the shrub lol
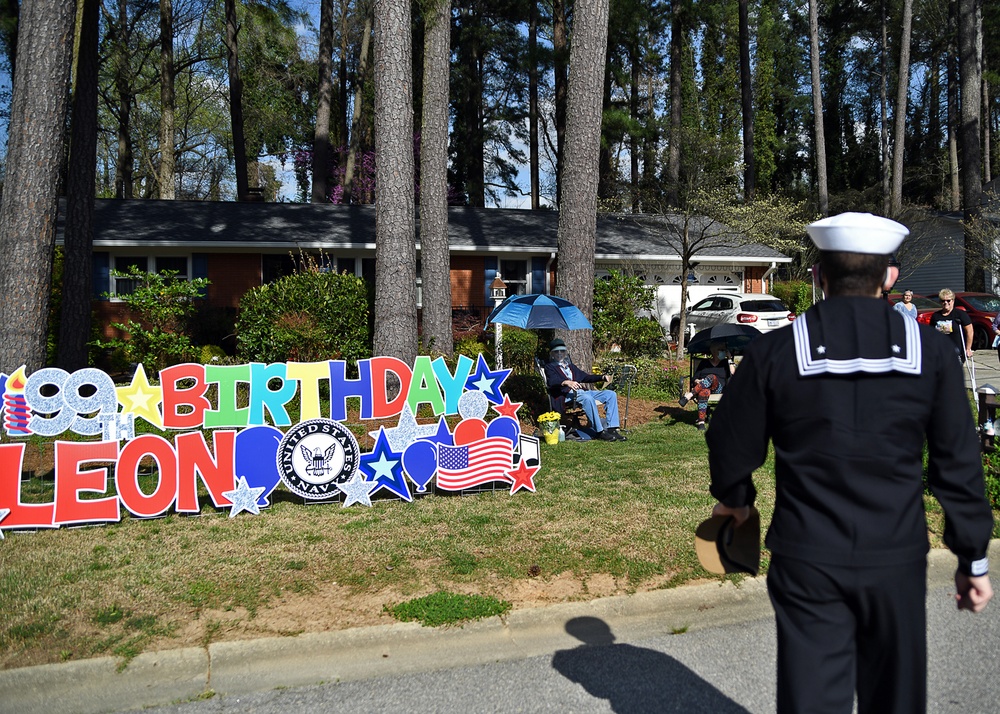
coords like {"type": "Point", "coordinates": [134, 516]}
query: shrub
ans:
{"type": "Point", "coordinates": [795, 294]}
{"type": "Point", "coordinates": [163, 305]}
{"type": "Point", "coordinates": [519, 347]}
{"type": "Point", "coordinates": [471, 347]}
{"type": "Point", "coordinates": [211, 353]}
{"type": "Point", "coordinates": [654, 379]}
{"type": "Point", "coordinates": [991, 471]}
{"type": "Point", "coordinates": [308, 316]}
{"type": "Point", "coordinates": [621, 307]}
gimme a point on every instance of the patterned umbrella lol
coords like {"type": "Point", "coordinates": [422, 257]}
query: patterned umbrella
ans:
{"type": "Point", "coordinates": [539, 311]}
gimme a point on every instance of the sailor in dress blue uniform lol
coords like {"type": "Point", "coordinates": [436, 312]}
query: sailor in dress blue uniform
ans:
{"type": "Point", "coordinates": [848, 395]}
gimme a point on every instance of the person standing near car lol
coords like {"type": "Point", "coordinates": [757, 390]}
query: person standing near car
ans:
{"type": "Point", "coordinates": [995, 326]}
{"type": "Point", "coordinates": [849, 396]}
{"type": "Point", "coordinates": [905, 306]}
{"type": "Point", "coordinates": [955, 323]}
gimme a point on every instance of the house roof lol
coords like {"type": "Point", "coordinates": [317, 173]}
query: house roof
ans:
{"type": "Point", "coordinates": [202, 225]}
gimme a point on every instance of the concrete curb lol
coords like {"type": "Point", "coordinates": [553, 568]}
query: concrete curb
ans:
{"type": "Point", "coordinates": [96, 686]}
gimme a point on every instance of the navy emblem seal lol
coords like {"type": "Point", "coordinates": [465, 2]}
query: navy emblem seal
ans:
{"type": "Point", "coordinates": [315, 456]}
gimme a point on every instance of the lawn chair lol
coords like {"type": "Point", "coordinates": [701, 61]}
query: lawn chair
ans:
{"type": "Point", "coordinates": [622, 378]}
{"type": "Point", "coordinates": [687, 381]}
{"type": "Point", "coordinates": [571, 410]}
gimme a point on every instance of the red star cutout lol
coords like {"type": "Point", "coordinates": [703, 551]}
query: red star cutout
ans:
{"type": "Point", "coordinates": [507, 408]}
{"type": "Point", "coordinates": [523, 476]}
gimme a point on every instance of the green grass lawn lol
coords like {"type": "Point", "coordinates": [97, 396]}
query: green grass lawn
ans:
{"type": "Point", "coordinates": [609, 510]}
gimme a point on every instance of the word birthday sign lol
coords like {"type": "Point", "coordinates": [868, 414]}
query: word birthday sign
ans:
{"type": "Point", "coordinates": [318, 458]}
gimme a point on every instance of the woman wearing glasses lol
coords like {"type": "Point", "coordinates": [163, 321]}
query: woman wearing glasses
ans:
{"type": "Point", "coordinates": [955, 323]}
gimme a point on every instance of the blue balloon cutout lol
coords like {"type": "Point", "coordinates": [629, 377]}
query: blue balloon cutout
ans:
{"type": "Point", "coordinates": [506, 427]}
{"type": "Point", "coordinates": [420, 463]}
{"type": "Point", "coordinates": [256, 458]}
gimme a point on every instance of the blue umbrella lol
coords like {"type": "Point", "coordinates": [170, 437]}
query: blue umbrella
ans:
{"type": "Point", "coordinates": [539, 311]}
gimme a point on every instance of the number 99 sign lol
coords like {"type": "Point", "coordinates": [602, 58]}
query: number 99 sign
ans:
{"type": "Point", "coordinates": [63, 397]}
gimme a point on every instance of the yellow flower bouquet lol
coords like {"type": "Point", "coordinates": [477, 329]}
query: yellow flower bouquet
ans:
{"type": "Point", "coordinates": [549, 421]}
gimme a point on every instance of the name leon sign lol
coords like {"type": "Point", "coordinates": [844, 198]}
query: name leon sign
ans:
{"type": "Point", "coordinates": [253, 444]}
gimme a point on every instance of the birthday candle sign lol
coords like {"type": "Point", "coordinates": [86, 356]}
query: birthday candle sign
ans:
{"type": "Point", "coordinates": [16, 414]}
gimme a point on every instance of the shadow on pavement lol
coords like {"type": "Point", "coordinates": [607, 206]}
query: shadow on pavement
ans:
{"type": "Point", "coordinates": [635, 679]}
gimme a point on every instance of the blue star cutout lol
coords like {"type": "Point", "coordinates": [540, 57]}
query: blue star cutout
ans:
{"type": "Point", "coordinates": [385, 467]}
{"type": "Point", "coordinates": [487, 381]}
{"type": "Point", "coordinates": [443, 434]}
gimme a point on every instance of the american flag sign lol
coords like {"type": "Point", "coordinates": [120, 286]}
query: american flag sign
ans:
{"type": "Point", "coordinates": [474, 464]}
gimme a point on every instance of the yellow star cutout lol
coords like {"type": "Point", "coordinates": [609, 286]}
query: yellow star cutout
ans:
{"type": "Point", "coordinates": [141, 398]}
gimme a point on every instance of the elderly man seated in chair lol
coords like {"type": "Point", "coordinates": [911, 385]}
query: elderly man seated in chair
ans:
{"type": "Point", "coordinates": [566, 382]}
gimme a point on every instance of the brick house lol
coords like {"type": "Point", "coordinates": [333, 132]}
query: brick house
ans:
{"type": "Point", "coordinates": [238, 246]}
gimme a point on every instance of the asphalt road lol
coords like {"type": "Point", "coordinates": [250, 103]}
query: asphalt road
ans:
{"type": "Point", "coordinates": [718, 670]}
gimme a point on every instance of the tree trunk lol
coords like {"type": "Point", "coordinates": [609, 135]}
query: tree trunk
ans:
{"type": "Point", "coordinates": [953, 111]}
{"type": "Point", "coordinates": [321, 140]}
{"type": "Point", "coordinates": [633, 106]}
{"type": "Point", "coordinates": [123, 172]}
{"type": "Point", "coordinates": [166, 178]}
{"type": "Point", "coordinates": [78, 239]}
{"type": "Point", "coordinates": [560, 56]}
{"type": "Point", "coordinates": [434, 250]}
{"type": "Point", "coordinates": [236, 102]}
{"type": "Point", "coordinates": [340, 125]}
{"type": "Point", "coordinates": [899, 133]}
{"type": "Point", "coordinates": [817, 97]}
{"type": "Point", "coordinates": [578, 208]}
{"type": "Point", "coordinates": [29, 204]}
{"type": "Point", "coordinates": [352, 154]}
{"type": "Point", "coordinates": [746, 86]}
{"type": "Point", "coordinates": [676, 106]}
{"type": "Point", "coordinates": [607, 178]}
{"type": "Point", "coordinates": [536, 200]}
{"type": "Point", "coordinates": [970, 156]}
{"type": "Point", "coordinates": [886, 162]}
{"type": "Point", "coordinates": [395, 252]}
{"type": "Point", "coordinates": [471, 108]}
{"type": "Point", "coordinates": [987, 168]}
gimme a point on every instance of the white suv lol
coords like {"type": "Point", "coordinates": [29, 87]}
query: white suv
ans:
{"type": "Point", "coordinates": [765, 312]}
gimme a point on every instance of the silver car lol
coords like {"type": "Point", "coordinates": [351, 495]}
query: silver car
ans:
{"type": "Point", "coordinates": [765, 312]}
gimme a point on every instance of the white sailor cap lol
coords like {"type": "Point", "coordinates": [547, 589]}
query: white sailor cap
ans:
{"type": "Point", "coordinates": [858, 233]}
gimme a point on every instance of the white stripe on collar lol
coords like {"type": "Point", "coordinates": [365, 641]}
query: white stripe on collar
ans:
{"type": "Point", "coordinates": [808, 365]}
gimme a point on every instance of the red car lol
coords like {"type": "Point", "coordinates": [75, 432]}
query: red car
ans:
{"type": "Point", "coordinates": [925, 306]}
{"type": "Point", "coordinates": [982, 308]}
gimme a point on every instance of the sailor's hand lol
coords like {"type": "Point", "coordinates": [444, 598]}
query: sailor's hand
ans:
{"type": "Point", "coordinates": [739, 514]}
{"type": "Point", "coordinates": [972, 591]}
{"type": "Point", "coordinates": [607, 379]}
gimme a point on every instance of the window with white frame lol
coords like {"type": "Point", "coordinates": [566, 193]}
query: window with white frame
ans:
{"type": "Point", "coordinates": [515, 273]}
{"type": "Point", "coordinates": [147, 264]}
